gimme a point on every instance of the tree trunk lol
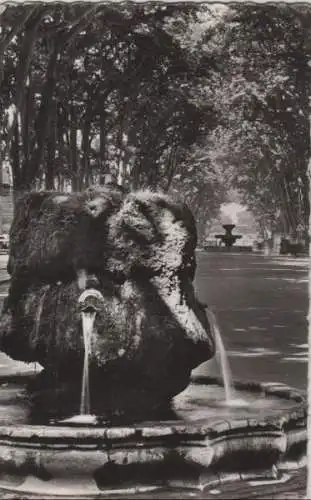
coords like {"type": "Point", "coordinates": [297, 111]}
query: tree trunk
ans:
{"type": "Point", "coordinates": [123, 146]}
{"type": "Point", "coordinates": [51, 151]}
{"type": "Point", "coordinates": [171, 168]}
{"type": "Point", "coordinates": [102, 143]}
{"type": "Point", "coordinates": [85, 167]}
{"type": "Point", "coordinates": [31, 168]}
{"type": "Point", "coordinates": [61, 147]}
{"type": "Point", "coordinates": [309, 238]}
{"type": "Point", "coordinates": [15, 163]}
{"type": "Point", "coordinates": [16, 29]}
{"type": "Point", "coordinates": [28, 115]}
{"type": "Point", "coordinates": [82, 22]}
{"type": "Point", "coordinates": [136, 171]}
{"type": "Point", "coordinates": [21, 76]}
{"type": "Point", "coordinates": [74, 167]}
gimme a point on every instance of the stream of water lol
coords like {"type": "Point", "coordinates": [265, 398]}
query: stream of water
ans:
{"type": "Point", "coordinates": [88, 318]}
{"type": "Point", "coordinates": [222, 358]}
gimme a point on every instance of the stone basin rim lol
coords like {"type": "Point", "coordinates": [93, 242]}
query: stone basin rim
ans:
{"type": "Point", "coordinates": [82, 451]}
{"type": "Point", "coordinates": [149, 430]}
{"type": "Point", "coordinates": [276, 389]}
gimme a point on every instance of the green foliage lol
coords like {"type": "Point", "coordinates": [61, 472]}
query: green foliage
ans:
{"type": "Point", "coordinates": [106, 89]}
{"type": "Point", "coordinates": [188, 98]}
{"type": "Point", "coordinates": [263, 136]}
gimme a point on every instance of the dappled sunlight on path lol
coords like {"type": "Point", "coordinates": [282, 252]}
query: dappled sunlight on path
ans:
{"type": "Point", "coordinates": [261, 304]}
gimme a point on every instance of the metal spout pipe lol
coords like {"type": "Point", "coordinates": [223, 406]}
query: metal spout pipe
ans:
{"type": "Point", "coordinates": [91, 300]}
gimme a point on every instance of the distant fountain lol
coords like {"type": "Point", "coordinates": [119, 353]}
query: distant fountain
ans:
{"type": "Point", "coordinates": [228, 238]}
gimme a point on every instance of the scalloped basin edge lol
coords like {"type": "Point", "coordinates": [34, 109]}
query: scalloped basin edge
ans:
{"type": "Point", "coordinates": [98, 461]}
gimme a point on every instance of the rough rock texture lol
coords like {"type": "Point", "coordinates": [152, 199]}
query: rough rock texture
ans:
{"type": "Point", "coordinates": [137, 249]}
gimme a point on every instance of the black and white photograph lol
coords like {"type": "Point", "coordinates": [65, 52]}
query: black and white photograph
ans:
{"type": "Point", "coordinates": [154, 250]}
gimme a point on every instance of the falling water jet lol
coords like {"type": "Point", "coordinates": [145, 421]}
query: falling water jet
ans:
{"type": "Point", "coordinates": [85, 417]}
{"type": "Point", "coordinates": [89, 302]}
{"type": "Point", "coordinates": [88, 318]}
{"type": "Point", "coordinates": [222, 358]}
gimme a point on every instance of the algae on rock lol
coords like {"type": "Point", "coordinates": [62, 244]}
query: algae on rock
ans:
{"type": "Point", "coordinates": [138, 249]}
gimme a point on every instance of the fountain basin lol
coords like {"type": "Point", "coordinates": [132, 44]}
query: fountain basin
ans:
{"type": "Point", "coordinates": [204, 443]}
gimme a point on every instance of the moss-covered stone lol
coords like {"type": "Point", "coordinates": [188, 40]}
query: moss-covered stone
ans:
{"type": "Point", "coordinates": [137, 249]}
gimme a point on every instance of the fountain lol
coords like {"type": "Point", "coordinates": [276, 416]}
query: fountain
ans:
{"type": "Point", "coordinates": [228, 238]}
{"type": "Point", "coordinates": [101, 295]}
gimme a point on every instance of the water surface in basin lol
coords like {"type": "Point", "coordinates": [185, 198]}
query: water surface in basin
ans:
{"type": "Point", "coordinates": [197, 403]}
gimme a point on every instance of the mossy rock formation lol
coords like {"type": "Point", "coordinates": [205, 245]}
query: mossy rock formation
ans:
{"type": "Point", "coordinates": [137, 249]}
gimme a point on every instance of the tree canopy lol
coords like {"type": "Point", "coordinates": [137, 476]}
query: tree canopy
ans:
{"type": "Point", "coordinates": [189, 98]}
{"type": "Point", "coordinates": [263, 135]}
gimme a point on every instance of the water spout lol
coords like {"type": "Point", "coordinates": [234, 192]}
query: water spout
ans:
{"type": "Point", "coordinates": [90, 299]}
{"type": "Point", "coordinates": [90, 302]}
